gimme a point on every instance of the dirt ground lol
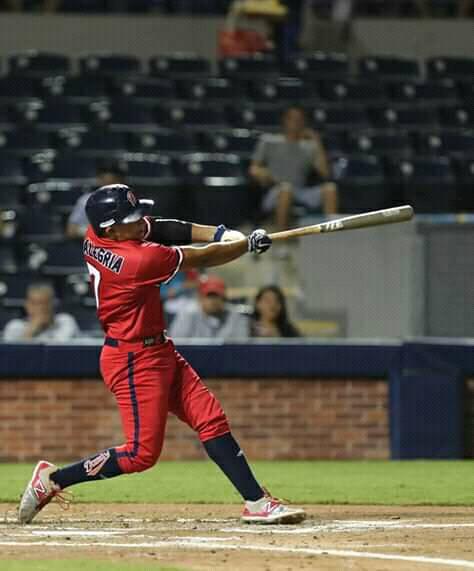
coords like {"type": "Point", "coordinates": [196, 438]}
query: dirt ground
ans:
{"type": "Point", "coordinates": [211, 537]}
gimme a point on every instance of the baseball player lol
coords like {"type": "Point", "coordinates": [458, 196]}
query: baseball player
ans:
{"type": "Point", "coordinates": [128, 256]}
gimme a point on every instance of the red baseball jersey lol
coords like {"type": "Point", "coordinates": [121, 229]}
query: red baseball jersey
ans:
{"type": "Point", "coordinates": [125, 276]}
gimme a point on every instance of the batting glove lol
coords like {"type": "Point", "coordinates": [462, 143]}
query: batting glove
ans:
{"type": "Point", "coordinates": [223, 234]}
{"type": "Point", "coordinates": [259, 241]}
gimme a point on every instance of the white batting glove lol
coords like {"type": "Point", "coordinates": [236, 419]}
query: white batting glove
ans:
{"type": "Point", "coordinates": [224, 235]}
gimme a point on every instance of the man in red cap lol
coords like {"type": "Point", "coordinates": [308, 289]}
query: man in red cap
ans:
{"type": "Point", "coordinates": [213, 318]}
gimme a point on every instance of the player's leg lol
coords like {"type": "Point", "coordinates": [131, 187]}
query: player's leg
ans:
{"type": "Point", "coordinates": [278, 202]}
{"type": "Point", "coordinates": [195, 405]}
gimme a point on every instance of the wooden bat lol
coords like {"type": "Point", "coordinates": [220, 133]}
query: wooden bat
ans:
{"type": "Point", "coordinates": [365, 220]}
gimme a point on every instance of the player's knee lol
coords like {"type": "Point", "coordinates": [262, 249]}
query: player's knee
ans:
{"type": "Point", "coordinates": [214, 427]}
{"type": "Point", "coordinates": [139, 462]}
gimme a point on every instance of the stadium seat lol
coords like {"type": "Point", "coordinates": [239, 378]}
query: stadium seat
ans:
{"type": "Point", "coordinates": [212, 88]}
{"type": "Point", "coordinates": [332, 117]}
{"type": "Point", "coordinates": [465, 180]}
{"type": "Point", "coordinates": [40, 64]}
{"type": "Point", "coordinates": [240, 142]}
{"type": "Point", "coordinates": [319, 65]}
{"type": "Point", "coordinates": [41, 225]}
{"type": "Point", "coordinates": [411, 117]}
{"type": "Point", "coordinates": [11, 171]}
{"type": "Point", "coordinates": [86, 318]}
{"type": "Point", "coordinates": [219, 188]}
{"type": "Point", "coordinates": [65, 168]}
{"type": "Point", "coordinates": [9, 262]}
{"type": "Point", "coordinates": [63, 258]}
{"type": "Point", "coordinates": [9, 223]}
{"type": "Point", "coordinates": [452, 67]}
{"type": "Point", "coordinates": [75, 89]}
{"type": "Point", "coordinates": [97, 143]}
{"type": "Point", "coordinates": [11, 196]}
{"type": "Point", "coordinates": [430, 92]}
{"type": "Point", "coordinates": [145, 90]}
{"type": "Point", "coordinates": [173, 142]}
{"type": "Point", "coordinates": [249, 66]}
{"type": "Point", "coordinates": [60, 196]}
{"type": "Point", "coordinates": [7, 117]}
{"type": "Point", "coordinates": [360, 181]}
{"type": "Point", "coordinates": [53, 114]}
{"type": "Point", "coordinates": [179, 65]}
{"type": "Point", "coordinates": [352, 91]}
{"type": "Point", "coordinates": [381, 143]}
{"type": "Point", "coordinates": [14, 88]}
{"type": "Point", "coordinates": [13, 288]}
{"type": "Point", "coordinates": [192, 115]}
{"type": "Point", "coordinates": [76, 289]}
{"type": "Point", "coordinates": [289, 89]}
{"type": "Point", "coordinates": [456, 144]}
{"type": "Point", "coordinates": [458, 116]}
{"type": "Point", "coordinates": [466, 91]}
{"type": "Point", "coordinates": [25, 142]}
{"type": "Point", "coordinates": [109, 65]}
{"type": "Point", "coordinates": [388, 67]}
{"type": "Point", "coordinates": [427, 183]}
{"type": "Point", "coordinates": [125, 115]}
{"type": "Point", "coordinates": [263, 116]}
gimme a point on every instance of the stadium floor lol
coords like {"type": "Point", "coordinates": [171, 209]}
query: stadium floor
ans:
{"type": "Point", "coordinates": [204, 537]}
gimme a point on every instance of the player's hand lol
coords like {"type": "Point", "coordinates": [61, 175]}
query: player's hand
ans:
{"type": "Point", "coordinates": [223, 234]}
{"type": "Point", "coordinates": [259, 241]}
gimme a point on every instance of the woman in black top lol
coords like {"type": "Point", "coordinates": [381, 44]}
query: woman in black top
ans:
{"type": "Point", "coordinates": [270, 318]}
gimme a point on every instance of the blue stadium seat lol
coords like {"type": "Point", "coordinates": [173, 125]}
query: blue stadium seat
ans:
{"type": "Point", "coordinates": [7, 314]}
{"type": "Point", "coordinates": [8, 258]}
{"type": "Point", "coordinates": [179, 65]}
{"type": "Point", "coordinates": [125, 115]}
{"type": "Point", "coordinates": [456, 144]}
{"type": "Point", "coordinates": [389, 67]}
{"type": "Point", "coordinates": [465, 180]}
{"type": "Point", "coordinates": [319, 65]}
{"type": "Point", "coordinates": [109, 64]}
{"type": "Point", "coordinates": [173, 142]}
{"type": "Point", "coordinates": [7, 117]}
{"type": "Point", "coordinates": [25, 142]}
{"type": "Point", "coordinates": [145, 89]}
{"type": "Point", "coordinates": [41, 225]}
{"type": "Point", "coordinates": [394, 117]}
{"type": "Point", "coordinates": [59, 196]}
{"type": "Point", "coordinates": [9, 218]}
{"type": "Point", "coordinates": [13, 288]}
{"type": "Point", "coordinates": [291, 89]}
{"type": "Point", "coordinates": [452, 67]}
{"type": "Point", "coordinates": [337, 117]}
{"type": "Point", "coordinates": [466, 90]}
{"type": "Point", "coordinates": [427, 183]}
{"type": "Point", "coordinates": [239, 142]}
{"type": "Point", "coordinates": [263, 116]}
{"type": "Point", "coordinates": [212, 88]}
{"type": "Point", "coordinates": [249, 66]}
{"type": "Point", "coordinates": [192, 115]}
{"type": "Point", "coordinates": [353, 91]}
{"type": "Point", "coordinates": [40, 64]}
{"type": "Point", "coordinates": [13, 88]}
{"type": "Point", "coordinates": [11, 197]}
{"type": "Point", "coordinates": [457, 116]}
{"type": "Point", "coordinates": [146, 169]}
{"type": "Point", "coordinates": [75, 89]}
{"type": "Point", "coordinates": [76, 289]}
{"type": "Point", "coordinates": [429, 91]}
{"type": "Point", "coordinates": [63, 258]}
{"type": "Point", "coordinates": [381, 143]}
{"type": "Point", "coordinates": [99, 143]}
{"type": "Point", "coordinates": [52, 115]}
{"type": "Point", "coordinates": [11, 171]}
{"type": "Point", "coordinates": [66, 167]}
{"type": "Point", "coordinates": [361, 183]}
{"type": "Point", "coordinates": [219, 187]}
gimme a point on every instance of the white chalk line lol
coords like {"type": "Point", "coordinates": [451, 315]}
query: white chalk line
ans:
{"type": "Point", "coordinates": [191, 543]}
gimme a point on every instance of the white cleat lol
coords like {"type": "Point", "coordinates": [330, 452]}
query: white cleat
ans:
{"type": "Point", "coordinates": [270, 510]}
{"type": "Point", "coordinates": [39, 492]}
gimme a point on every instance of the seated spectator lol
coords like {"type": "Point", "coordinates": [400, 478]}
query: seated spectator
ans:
{"type": "Point", "coordinates": [41, 323]}
{"type": "Point", "coordinates": [270, 318]}
{"type": "Point", "coordinates": [283, 164]}
{"type": "Point", "coordinates": [109, 173]}
{"type": "Point", "coordinates": [180, 293]}
{"type": "Point", "coordinates": [212, 318]}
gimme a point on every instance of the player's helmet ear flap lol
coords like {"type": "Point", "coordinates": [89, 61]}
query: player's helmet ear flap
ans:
{"type": "Point", "coordinates": [112, 204]}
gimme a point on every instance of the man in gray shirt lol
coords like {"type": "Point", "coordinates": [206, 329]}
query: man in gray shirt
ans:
{"type": "Point", "coordinates": [41, 323]}
{"type": "Point", "coordinates": [212, 318]}
{"type": "Point", "coordinates": [284, 162]}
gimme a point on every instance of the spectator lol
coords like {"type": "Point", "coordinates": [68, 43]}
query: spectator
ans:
{"type": "Point", "coordinates": [41, 323]}
{"type": "Point", "coordinates": [110, 173]}
{"type": "Point", "coordinates": [270, 317]}
{"type": "Point", "coordinates": [283, 164]}
{"type": "Point", "coordinates": [212, 318]}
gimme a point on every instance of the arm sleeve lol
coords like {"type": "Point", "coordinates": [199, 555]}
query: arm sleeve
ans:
{"type": "Point", "coordinates": [259, 154]}
{"type": "Point", "coordinates": [158, 264]}
{"type": "Point", "coordinates": [168, 232]}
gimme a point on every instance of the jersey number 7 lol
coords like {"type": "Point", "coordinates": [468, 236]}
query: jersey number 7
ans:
{"type": "Point", "coordinates": [95, 276]}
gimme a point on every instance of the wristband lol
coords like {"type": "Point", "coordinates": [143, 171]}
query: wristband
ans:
{"type": "Point", "coordinates": [219, 232]}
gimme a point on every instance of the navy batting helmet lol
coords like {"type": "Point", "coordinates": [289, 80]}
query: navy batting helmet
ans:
{"type": "Point", "coordinates": [112, 204]}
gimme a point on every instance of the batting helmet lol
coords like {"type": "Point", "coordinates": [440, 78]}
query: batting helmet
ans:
{"type": "Point", "coordinates": [112, 204]}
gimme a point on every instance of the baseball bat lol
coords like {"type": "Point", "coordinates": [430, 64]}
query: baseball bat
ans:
{"type": "Point", "coordinates": [364, 220]}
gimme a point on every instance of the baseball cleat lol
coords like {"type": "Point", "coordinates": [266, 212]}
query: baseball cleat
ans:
{"type": "Point", "coordinates": [270, 510]}
{"type": "Point", "coordinates": [39, 492]}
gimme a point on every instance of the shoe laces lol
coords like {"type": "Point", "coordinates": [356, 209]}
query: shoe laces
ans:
{"type": "Point", "coordinates": [63, 498]}
{"type": "Point", "coordinates": [271, 497]}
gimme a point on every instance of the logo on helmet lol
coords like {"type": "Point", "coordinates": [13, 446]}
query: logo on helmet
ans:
{"type": "Point", "coordinates": [131, 198]}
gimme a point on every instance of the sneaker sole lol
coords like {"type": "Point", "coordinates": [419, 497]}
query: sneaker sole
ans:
{"type": "Point", "coordinates": [296, 517]}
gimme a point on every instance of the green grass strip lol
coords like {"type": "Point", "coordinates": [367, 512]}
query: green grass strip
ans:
{"type": "Point", "coordinates": [80, 565]}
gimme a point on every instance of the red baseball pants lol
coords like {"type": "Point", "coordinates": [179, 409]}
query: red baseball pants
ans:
{"type": "Point", "coordinates": [149, 383]}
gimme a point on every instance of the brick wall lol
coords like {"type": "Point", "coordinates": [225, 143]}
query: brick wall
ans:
{"type": "Point", "coordinates": [69, 419]}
